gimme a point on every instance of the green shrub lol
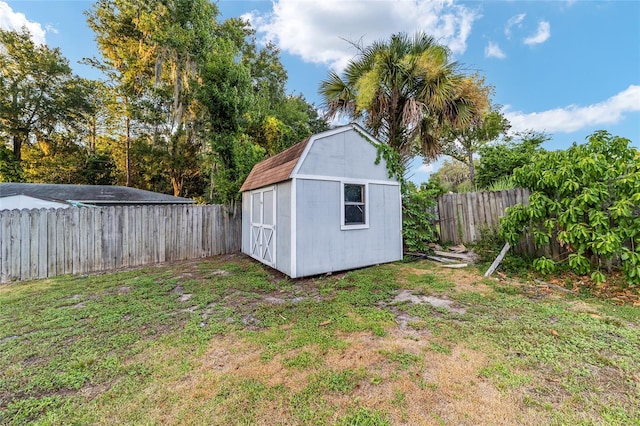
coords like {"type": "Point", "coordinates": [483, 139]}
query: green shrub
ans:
{"type": "Point", "coordinates": [588, 194]}
{"type": "Point", "coordinates": [418, 229]}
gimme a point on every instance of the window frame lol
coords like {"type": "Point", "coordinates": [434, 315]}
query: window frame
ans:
{"type": "Point", "coordinates": [343, 204]}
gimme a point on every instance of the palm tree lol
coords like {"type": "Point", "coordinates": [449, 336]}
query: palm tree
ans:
{"type": "Point", "coordinates": [405, 91]}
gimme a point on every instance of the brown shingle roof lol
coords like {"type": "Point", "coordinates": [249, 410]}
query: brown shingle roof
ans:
{"type": "Point", "coordinates": [274, 169]}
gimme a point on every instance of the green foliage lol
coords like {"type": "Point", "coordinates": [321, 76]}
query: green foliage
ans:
{"type": "Point", "coordinates": [501, 159]}
{"type": "Point", "coordinates": [453, 176]}
{"type": "Point", "coordinates": [392, 159]}
{"type": "Point", "coordinates": [418, 229]}
{"type": "Point", "coordinates": [10, 169]}
{"type": "Point", "coordinates": [488, 247]}
{"type": "Point", "coordinates": [503, 183]}
{"type": "Point", "coordinates": [39, 95]}
{"type": "Point", "coordinates": [461, 144]}
{"type": "Point", "coordinates": [99, 169]}
{"type": "Point", "coordinates": [588, 194]}
{"type": "Point", "coordinates": [406, 90]}
{"type": "Point", "coordinates": [227, 180]}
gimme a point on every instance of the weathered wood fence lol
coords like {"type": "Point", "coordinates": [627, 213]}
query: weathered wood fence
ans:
{"type": "Point", "coordinates": [462, 216]}
{"type": "Point", "coordinates": [46, 242]}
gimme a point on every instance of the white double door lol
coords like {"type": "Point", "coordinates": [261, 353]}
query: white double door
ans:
{"type": "Point", "coordinates": [263, 225]}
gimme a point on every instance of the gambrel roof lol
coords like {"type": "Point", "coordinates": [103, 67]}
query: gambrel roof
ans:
{"type": "Point", "coordinates": [274, 169]}
{"type": "Point", "coordinates": [281, 166]}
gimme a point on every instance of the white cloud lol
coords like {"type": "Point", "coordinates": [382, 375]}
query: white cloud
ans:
{"type": "Point", "coordinates": [492, 50]}
{"type": "Point", "coordinates": [10, 20]}
{"type": "Point", "coordinates": [426, 168]}
{"type": "Point", "coordinates": [542, 34]}
{"type": "Point", "coordinates": [514, 20]}
{"type": "Point", "coordinates": [318, 30]}
{"type": "Point", "coordinates": [573, 118]}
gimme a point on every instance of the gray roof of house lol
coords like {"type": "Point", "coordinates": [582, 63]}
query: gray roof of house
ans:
{"type": "Point", "coordinates": [90, 194]}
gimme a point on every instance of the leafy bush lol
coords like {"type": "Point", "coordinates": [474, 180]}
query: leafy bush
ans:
{"type": "Point", "coordinates": [500, 160]}
{"type": "Point", "coordinates": [10, 169]}
{"type": "Point", "coordinates": [418, 229]}
{"type": "Point", "coordinates": [588, 194]}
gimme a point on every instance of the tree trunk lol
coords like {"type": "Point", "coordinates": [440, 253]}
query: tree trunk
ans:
{"type": "Point", "coordinates": [177, 182]}
{"type": "Point", "coordinates": [472, 170]}
{"type": "Point", "coordinates": [128, 150]}
{"type": "Point", "coordinates": [17, 147]}
{"type": "Point", "coordinates": [94, 135]}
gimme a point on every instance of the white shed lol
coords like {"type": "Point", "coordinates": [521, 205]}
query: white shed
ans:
{"type": "Point", "coordinates": [323, 205]}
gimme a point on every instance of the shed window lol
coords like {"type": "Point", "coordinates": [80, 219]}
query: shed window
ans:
{"type": "Point", "coordinates": [354, 205]}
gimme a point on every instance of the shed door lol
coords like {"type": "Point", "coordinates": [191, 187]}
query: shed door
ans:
{"type": "Point", "coordinates": [263, 223]}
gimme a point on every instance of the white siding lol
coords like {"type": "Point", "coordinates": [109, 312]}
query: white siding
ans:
{"type": "Point", "coordinates": [309, 236]}
{"type": "Point", "coordinates": [347, 154]}
{"type": "Point", "coordinates": [324, 247]}
{"type": "Point", "coordinates": [246, 223]}
{"type": "Point", "coordinates": [283, 227]}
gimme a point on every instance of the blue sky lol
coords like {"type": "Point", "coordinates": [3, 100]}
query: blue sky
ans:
{"type": "Point", "coordinates": [567, 68]}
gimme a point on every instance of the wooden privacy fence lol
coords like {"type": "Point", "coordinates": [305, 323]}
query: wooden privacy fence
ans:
{"type": "Point", "coordinates": [462, 216]}
{"type": "Point", "coordinates": [45, 243]}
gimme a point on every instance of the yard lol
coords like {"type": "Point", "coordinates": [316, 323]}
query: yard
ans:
{"type": "Point", "coordinates": [228, 341]}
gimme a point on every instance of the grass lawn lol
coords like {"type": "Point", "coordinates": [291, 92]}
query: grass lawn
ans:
{"type": "Point", "coordinates": [226, 341]}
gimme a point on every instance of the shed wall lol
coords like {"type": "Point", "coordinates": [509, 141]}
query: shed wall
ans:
{"type": "Point", "coordinates": [246, 222]}
{"type": "Point", "coordinates": [283, 227]}
{"type": "Point", "coordinates": [347, 154]}
{"type": "Point", "coordinates": [323, 247]}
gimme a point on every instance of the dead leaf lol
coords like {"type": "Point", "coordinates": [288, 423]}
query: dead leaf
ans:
{"type": "Point", "coordinates": [323, 323]}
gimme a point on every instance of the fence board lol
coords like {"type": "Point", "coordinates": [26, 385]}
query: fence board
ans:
{"type": "Point", "coordinates": [33, 244]}
{"type": "Point", "coordinates": [46, 243]}
{"type": "Point", "coordinates": [461, 217]}
{"type": "Point", "coordinates": [43, 253]}
{"type": "Point", "coordinates": [5, 245]}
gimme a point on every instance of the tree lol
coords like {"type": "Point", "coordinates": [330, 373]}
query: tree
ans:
{"type": "Point", "coordinates": [154, 51]}
{"type": "Point", "coordinates": [406, 90]}
{"type": "Point", "coordinates": [462, 143]}
{"type": "Point", "coordinates": [225, 94]}
{"type": "Point", "coordinates": [590, 196]}
{"type": "Point", "coordinates": [453, 176]}
{"type": "Point", "coordinates": [501, 159]}
{"type": "Point", "coordinates": [127, 59]}
{"type": "Point", "coordinates": [55, 160]}
{"type": "Point", "coordinates": [38, 92]}
{"type": "Point", "coordinates": [249, 114]}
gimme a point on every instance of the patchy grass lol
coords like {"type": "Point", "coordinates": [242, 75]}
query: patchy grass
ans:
{"type": "Point", "coordinates": [228, 341]}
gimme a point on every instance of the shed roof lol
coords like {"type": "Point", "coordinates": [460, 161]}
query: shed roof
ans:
{"type": "Point", "coordinates": [274, 169]}
{"type": "Point", "coordinates": [90, 194]}
{"type": "Point", "coordinates": [281, 166]}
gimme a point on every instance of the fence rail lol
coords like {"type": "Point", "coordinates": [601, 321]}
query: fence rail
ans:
{"type": "Point", "coordinates": [463, 216]}
{"type": "Point", "coordinates": [44, 243]}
